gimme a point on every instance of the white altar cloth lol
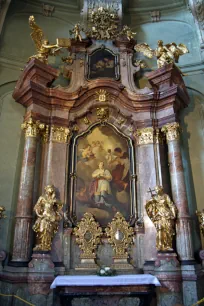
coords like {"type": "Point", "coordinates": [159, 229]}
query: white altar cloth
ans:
{"type": "Point", "coordinates": [95, 280]}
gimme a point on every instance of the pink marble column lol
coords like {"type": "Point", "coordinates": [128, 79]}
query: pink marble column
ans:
{"type": "Point", "coordinates": [22, 234]}
{"type": "Point", "coordinates": [183, 226]}
{"type": "Point", "coordinates": [147, 178]}
{"type": "Point", "coordinates": [54, 167]}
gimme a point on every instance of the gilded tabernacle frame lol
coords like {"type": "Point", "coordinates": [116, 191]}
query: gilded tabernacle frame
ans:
{"type": "Point", "coordinates": [102, 178]}
{"type": "Point", "coordinates": [102, 63]}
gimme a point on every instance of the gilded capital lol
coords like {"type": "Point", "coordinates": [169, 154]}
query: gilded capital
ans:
{"type": "Point", "coordinates": [60, 134]}
{"type": "Point", "coordinates": [144, 136]}
{"type": "Point", "coordinates": [32, 128]}
{"type": "Point", "coordinates": [172, 131]}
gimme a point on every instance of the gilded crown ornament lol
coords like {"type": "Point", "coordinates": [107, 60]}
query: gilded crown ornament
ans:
{"type": "Point", "coordinates": [32, 128]}
{"type": "Point", "coordinates": [49, 213]}
{"type": "Point", "coordinates": [162, 212]}
{"type": "Point", "coordinates": [165, 54]}
{"type": "Point", "coordinates": [44, 49]}
{"type": "Point", "coordinates": [120, 236]}
{"type": "Point", "coordinates": [88, 236]}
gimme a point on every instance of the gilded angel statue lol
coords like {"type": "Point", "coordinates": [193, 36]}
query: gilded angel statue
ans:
{"type": "Point", "coordinates": [165, 54]}
{"type": "Point", "coordinates": [49, 213]}
{"type": "Point", "coordinates": [126, 31]}
{"type": "Point", "coordinates": [76, 31]}
{"type": "Point", "coordinates": [44, 49]}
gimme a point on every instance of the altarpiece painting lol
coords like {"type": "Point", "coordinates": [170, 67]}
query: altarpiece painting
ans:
{"type": "Point", "coordinates": [103, 175]}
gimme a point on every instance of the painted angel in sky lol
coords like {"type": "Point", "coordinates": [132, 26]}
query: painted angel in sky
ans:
{"type": "Point", "coordinates": [165, 54]}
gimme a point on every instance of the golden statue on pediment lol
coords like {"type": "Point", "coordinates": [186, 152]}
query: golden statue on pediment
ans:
{"type": "Point", "coordinates": [165, 54]}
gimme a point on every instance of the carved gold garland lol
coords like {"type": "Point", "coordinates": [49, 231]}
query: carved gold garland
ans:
{"type": "Point", "coordinates": [88, 233]}
{"type": "Point", "coordinates": [120, 235]}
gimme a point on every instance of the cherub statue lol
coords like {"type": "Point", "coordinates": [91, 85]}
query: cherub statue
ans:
{"type": "Point", "coordinates": [77, 32]}
{"type": "Point", "coordinates": [48, 211]}
{"type": "Point", "coordinates": [201, 220]}
{"type": "Point", "coordinates": [162, 212]}
{"type": "Point", "coordinates": [2, 210]}
{"type": "Point", "coordinates": [165, 54]}
{"type": "Point", "coordinates": [126, 31]}
{"type": "Point", "coordinates": [44, 49]}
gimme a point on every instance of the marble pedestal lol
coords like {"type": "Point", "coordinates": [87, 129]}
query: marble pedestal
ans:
{"type": "Point", "coordinates": [40, 273]}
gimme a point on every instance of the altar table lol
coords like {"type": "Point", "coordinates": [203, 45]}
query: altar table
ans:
{"type": "Point", "coordinates": [141, 286]}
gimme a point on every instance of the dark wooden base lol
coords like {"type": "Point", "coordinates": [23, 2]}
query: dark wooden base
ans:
{"type": "Point", "coordinates": [144, 293]}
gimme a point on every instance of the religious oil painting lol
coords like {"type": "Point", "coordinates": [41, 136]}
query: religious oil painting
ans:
{"type": "Point", "coordinates": [102, 175]}
{"type": "Point", "coordinates": [102, 64]}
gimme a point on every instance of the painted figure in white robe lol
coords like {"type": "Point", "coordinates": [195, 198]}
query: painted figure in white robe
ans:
{"type": "Point", "coordinates": [100, 189]}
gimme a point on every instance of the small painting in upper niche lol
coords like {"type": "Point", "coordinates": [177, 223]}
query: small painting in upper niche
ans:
{"type": "Point", "coordinates": [102, 64]}
{"type": "Point", "coordinates": [103, 175]}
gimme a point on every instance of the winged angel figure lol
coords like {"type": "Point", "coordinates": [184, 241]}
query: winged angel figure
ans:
{"type": "Point", "coordinates": [165, 54]}
{"type": "Point", "coordinates": [44, 49]}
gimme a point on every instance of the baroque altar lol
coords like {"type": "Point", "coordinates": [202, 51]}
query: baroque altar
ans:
{"type": "Point", "coordinates": [104, 144]}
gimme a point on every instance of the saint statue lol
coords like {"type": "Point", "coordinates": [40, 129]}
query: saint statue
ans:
{"type": "Point", "coordinates": [48, 211]}
{"type": "Point", "coordinates": [162, 212]}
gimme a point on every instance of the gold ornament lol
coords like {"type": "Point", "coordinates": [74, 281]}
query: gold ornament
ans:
{"type": "Point", "coordinates": [76, 31]}
{"type": "Point", "coordinates": [88, 233]}
{"type": "Point", "coordinates": [120, 235]}
{"type": "Point", "coordinates": [31, 128]}
{"type": "Point", "coordinates": [201, 220]}
{"type": "Point", "coordinates": [104, 24]}
{"type": "Point", "coordinates": [165, 54]}
{"type": "Point", "coordinates": [172, 131]}
{"type": "Point", "coordinates": [42, 44]}
{"type": "Point", "coordinates": [48, 211]}
{"type": "Point", "coordinates": [102, 113]}
{"type": "Point", "coordinates": [144, 136]}
{"type": "Point", "coordinates": [60, 134]}
{"type": "Point", "coordinates": [86, 120]}
{"type": "Point", "coordinates": [126, 31]}
{"type": "Point", "coordinates": [162, 212]}
{"type": "Point", "coordinates": [45, 134]}
{"type": "Point", "coordinates": [2, 214]}
{"type": "Point", "coordinates": [102, 95]}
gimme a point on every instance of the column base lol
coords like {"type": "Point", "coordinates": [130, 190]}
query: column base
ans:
{"type": "Point", "coordinates": [40, 273]}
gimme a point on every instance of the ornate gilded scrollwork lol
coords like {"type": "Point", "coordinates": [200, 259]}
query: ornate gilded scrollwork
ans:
{"type": "Point", "coordinates": [102, 113]}
{"type": "Point", "coordinates": [145, 136]}
{"type": "Point", "coordinates": [31, 128]}
{"type": "Point", "coordinates": [60, 134]}
{"type": "Point", "coordinates": [88, 233]}
{"type": "Point", "coordinates": [172, 131]}
{"type": "Point", "coordinates": [120, 236]}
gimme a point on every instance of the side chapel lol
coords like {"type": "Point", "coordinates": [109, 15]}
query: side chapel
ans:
{"type": "Point", "coordinates": [106, 160]}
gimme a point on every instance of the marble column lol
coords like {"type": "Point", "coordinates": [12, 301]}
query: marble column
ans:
{"type": "Point", "coordinates": [147, 178]}
{"type": "Point", "coordinates": [22, 234]}
{"type": "Point", "coordinates": [183, 226]}
{"type": "Point", "coordinates": [54, 167]}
